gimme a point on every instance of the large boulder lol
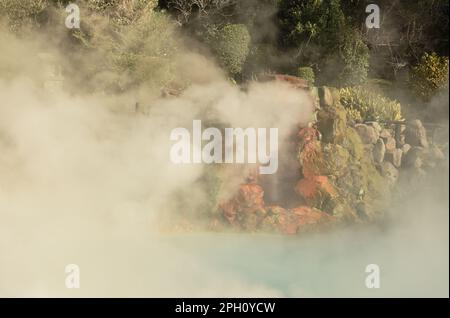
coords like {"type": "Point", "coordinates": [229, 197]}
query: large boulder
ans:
{"type": "Point", "coordinates": [246, 209]}
{"type": "Point", "coordinates": [390, 144]}
{"type": "Point", "coordinates": [332, 117]}
{"type": "Point", "coordinates": [315, 187]}
{"type": "Point", "coordinates": [415, 157]}
{"type": "Point", "coordinates": [405, 148]}
{"type": "Point", "coordinates": [395, 157]}
{"type": "Point", "coordinates": [336, 159]}
{"type": "Point", "coordinates": [379, 151]}
{"type": "Point", "coordinates": [368, 134]}
{"type": "Point", "coordinates": [332, 123]}
{"type": "Point", "coordinates": [375, 125]}
{"type": "Point", "coordinates": [326, 97]}
{"type": "Point", "coordinates": [389, 172]}
{"type": "Point", "coordinates": [385, 133]}
{"type": "Point", "coordinates": [416, 134]}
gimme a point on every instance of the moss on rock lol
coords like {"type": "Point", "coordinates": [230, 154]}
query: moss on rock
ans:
{"type": "Point", "coordinates": [332, 121]}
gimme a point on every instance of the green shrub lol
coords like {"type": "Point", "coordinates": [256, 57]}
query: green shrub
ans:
{"type": "Point", "coordinates": [126, 53]}
{"type": "Point", "coordinates": [306, 73]}
{"type": "Point", "coordinates": [121, 43]}
{"type": "Point", "coordinates": [364, 104]}
{"type": "Point", "coordinates": [231, 45]}
{"type": "Point", "coordinates": [122, 12]}
{"type": "Point", "coordinates": [429, 76]}
{"type": "Point", "coordinates": [21, 13]}
{"type": "Point", "coordinates": [348, 62]}
{"type": "Point", "coordinates": [303, 21]}
{"type": "Point", "coordinates": [355, 57]}
{"type": "Point", "coordinates": [320, 34]}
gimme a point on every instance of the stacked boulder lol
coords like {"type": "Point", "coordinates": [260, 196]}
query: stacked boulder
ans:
{"type": "Point", "coordinates": [403, 147]}
{"type": "Point", "coordinates": [351, 189]}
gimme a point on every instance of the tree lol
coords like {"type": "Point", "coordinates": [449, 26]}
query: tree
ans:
{"type": "Point", "coordinates": [22, 13]}
{"type": "Point", "coordinates": [197, 13]}
{"type": "Point", "coordinates": [303, 22]}
{"type": "Point", "coordinates": [429, 76]}
{"type": "Point", "coordinates": [320, 35]}
{"type": "Point", "coordinates": [307, 73]}
{"type": "Point", "coordinates": [231, 46]}
{"type": "Point", "coordinates": [347, 63]}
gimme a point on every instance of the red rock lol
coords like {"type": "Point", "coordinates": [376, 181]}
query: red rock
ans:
{"type": "Point", "coordinates": [276, 210]}
{"type": "Point", "coordinates": [247, 208]}
{"type": "Point", "coordinates": [310, 159]}
{"type": "Point", "coordinates": [311, 216]}
{"type": "Point", "coordinates": [310, 151]}
{"type": "Point", "coordinates": [308, 134]}
{"type": "Point", "coordinates": [229, 210]}
{"type": "Point", "coordinates": [294, 81]}
{"type": "Point", "coordinates": [311, 186]}
{"type": "Point", "coordinates": [288, 223]}
{"type": "Point", "coordinates": [251, 197]}
{"type": "Point", "coordinates": [300, 219]}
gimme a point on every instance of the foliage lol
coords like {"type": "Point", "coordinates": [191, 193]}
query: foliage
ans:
{"type": "Point", "coordinates": [302, 21]}
{"type": "Point", "coordinates": [364, 104]}
{"type": "Point", "coordinates": [321, 35]}
{"type": "Point", "coordinates": [307, 73]}
{"type": "Point", "coordinates": [122, 12]}
{"type": "Point", "coordinates": [349, 66]}
{"type": "Point", "coordinates": [21, 13]}
{"type": "Point", "coordinates": [409, 29]}
{"type": "Point", "coordinates": [249, 37]}
{"type": "Point", "coordinates": [123, 46]}
{"type": "Point", "coordinates": [231, 45]}
{"type": "Point", "coordinates": [429, 76]}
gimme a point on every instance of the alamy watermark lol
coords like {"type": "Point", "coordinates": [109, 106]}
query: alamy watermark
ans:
{"type": "Point", "coordinates": [373, 19]}
{"type": "Point", "coordinates": [373, 279]}
{"type": "Point", "coordinates": [229, 149]}
{"type": "Point", "coordinates": [73, 19]}
{"type": "Point", "coordinates": [73, 277]}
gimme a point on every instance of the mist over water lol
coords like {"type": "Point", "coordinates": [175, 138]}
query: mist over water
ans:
{"type": "Point", "coordinates": [412, 255]}
{"type": "Point", "coordinates": [126, 258]}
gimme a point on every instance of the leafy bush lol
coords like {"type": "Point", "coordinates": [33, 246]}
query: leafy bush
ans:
{"type": "Point", "coordinates": [348, 62]}
{"type": "Point", "coordinates": [131, 54]}
{"type": "Point", "coordinates": [120, 45]}
{"type": "Point", "coordinates": [231, 45]}
{"type": "Point", "coordinates": [303, 21]}
{"type": "Point", "coordinates": [355, 57]}
{"type": "Point", "coordinates": [122, 12]}
{"type": "Point", "coordinates": [320, 34]}
{"type": "Point", "coordinates": [429, 76]}
{"type": "Point", "coordinates": [306, 73]}
{"type": "Point", "coordinates": [364, 104]}
{"type": "Point", "coordinates": [21, 13]}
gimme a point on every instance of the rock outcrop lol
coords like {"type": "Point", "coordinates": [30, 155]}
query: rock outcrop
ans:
{"type": "Point", "coordinates": [346, 172]}
{"type": "Point", "coordinates": [416, 134]}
